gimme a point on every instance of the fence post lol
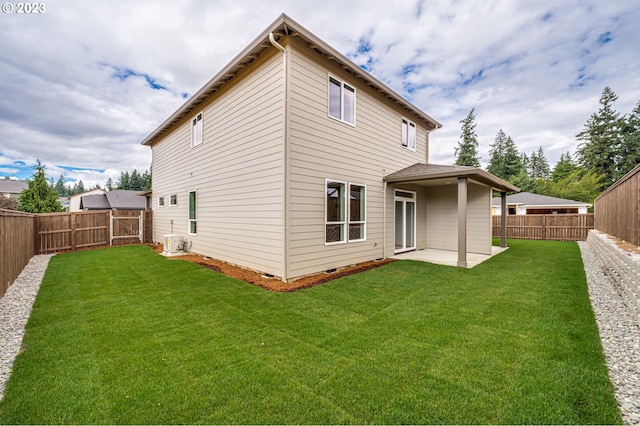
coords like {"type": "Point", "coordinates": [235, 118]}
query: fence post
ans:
{"type": "Point", "coordinates": [111, 227]}
{"type": "Point", "coordinates": [72, 226]}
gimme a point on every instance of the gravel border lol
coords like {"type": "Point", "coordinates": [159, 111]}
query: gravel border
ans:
{"type": "Point", "coordinates": [15, 308]}
{"type": "Point", "coordinates": [619, 332]}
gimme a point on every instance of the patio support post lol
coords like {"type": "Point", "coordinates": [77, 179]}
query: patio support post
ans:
{"type": "Point", "coordinates": [462, 222]}
{"type": "Point", "coordinates": [503, 219]}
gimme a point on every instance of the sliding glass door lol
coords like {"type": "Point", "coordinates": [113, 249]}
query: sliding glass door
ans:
{"type": "Point", "coordinates": [405, 221]}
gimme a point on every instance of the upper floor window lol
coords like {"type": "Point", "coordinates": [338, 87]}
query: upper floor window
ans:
{"type": "Point", "coordinates": [160, 201]}
{"type": "Point", "coordinates": [173, 200]}
{"type": "Point", "coordinates": [196, 130]}
{"type": "Point", "coordinates": [342, 101]}
{"type": "Point", "coordinates": [408, 134]}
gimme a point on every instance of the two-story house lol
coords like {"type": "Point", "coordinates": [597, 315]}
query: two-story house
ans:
{"type": "Point", "coordinates": [293, 160]}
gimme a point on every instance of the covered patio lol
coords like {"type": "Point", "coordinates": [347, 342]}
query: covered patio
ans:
{"type": "Point", "coordinates": [447, 257]}
{"type": "Point", "coordinates": [462, 186]}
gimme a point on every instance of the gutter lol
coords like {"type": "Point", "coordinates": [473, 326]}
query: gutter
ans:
{"type": "Point", "coordinates": [285, 158]}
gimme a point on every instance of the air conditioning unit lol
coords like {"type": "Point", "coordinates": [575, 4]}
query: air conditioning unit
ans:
{"type": "Point", "coordinates": [172, 244]}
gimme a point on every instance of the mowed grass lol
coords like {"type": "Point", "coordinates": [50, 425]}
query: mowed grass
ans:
{"type": "Point", "coordinates": [124, 335]}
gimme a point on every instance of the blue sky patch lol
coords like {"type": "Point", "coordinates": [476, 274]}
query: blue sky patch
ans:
{"type": "Point", "coordinates": [547, 16]}
{"type": "Point", "coordinates": [124, 73]}
{"type": "Point", "coordinates": [474, 78]}
{"type": "Point", "coordinates": [604, 38]}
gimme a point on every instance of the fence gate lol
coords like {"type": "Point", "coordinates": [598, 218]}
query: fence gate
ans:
{"type": "Point", "coordinates": [127, 227]}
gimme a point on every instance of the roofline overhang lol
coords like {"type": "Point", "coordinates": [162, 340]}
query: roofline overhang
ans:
{"type": "Point", "coordinates": [478, 175]}
{"type": "Point", "coordinates": [283, 26]}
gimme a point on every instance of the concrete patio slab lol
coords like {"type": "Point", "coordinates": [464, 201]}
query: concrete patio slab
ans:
{"type": "Point", "coordinates": [447, 257]}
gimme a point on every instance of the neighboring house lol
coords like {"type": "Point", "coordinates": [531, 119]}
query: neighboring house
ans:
{"type": "Point", "coordinates": [292, 160]}
{"type": "Point", "coordinates": [526, 203]}
{"type": "Point", "coordinates": [118, 199]}
{"type": "Point", "coordinates": [10, 188]}
{"type": "Point", "coordinates": [74, 200]}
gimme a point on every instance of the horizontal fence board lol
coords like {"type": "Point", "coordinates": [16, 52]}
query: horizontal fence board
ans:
{"type": "Point", "coordinates": [554, 227]}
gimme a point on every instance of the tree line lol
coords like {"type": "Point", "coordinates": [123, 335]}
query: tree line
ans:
{"type": "Point", "coordinates": [609, 147]}
{"type": "Point", "coordinates": [134, 181]}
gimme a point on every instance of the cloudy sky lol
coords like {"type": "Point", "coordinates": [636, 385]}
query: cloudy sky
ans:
{"type": "Point", "coordinates": [83, 82]}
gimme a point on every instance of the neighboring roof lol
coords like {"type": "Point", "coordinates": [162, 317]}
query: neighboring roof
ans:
{"type": "Point", "coordinates": [13, 186]}
{"type": "Point", "coordinates": [434, 172]}
{"type": "Point", "coordinates": [94, 202]}
{"type": "Point", "coordinates": [530, 199]}
{"type": "Point", "coordinates": [283, 26]}
{"type": "Point", "coordinates": [126, 200]}
{"type": "Point", "coordinates": [117, 199]}
{"type": "Point", "coordinates": [89, 192]}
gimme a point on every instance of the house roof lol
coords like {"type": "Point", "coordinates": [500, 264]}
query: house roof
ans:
{"type": "Point", "coordinates": [88, 192]}
{"type": "Point", "coordinates": [116, 199]}
{"type": "Point", "coordinates": [282, 27]}
{"type": "Point", "coordinates": [12, 186]}
{"type": "Point", "coordinates": [530, 199]}
{"type": "Point", "coordinates": [437, 174]}
{"type": "Point", "coordinates": [126, 200]}
{"type": "Point", "coordinates": [94, 202]}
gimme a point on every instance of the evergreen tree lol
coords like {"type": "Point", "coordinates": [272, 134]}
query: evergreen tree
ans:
{"type": "Point", "coordinates": [110, 185]}
{"type": "Point", "coordinates": [563, 168]}
{"type": "Point", "coordinates": [123, 183]}
{"type": "Point", "coordinates": [146, 181]}
{"type": "Point", "coordinates": [135, 181]}
{"type": "Point", "coordinates": [39, 196]}
{"type": "Point", "coordinates": [505, 161]}
{"type": "Point", "coordinates": [61, 187]}
{"type": "Point", "coordinates": [538, 166]}
{"type": "Point", "coordinates": [601, 139]}
{"type": "Point", "coordinates": [78, 187]}
{"type": "Point", "coordinates": [630, 147]}
{"type": "Point", "coordinates": [466, 152]}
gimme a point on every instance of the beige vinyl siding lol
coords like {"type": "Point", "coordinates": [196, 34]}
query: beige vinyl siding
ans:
{"type": "Point", "coordinates": [478, 219]}
{"type": "Point", "coordinates": [321, 147]}
{"type": "Point", "coordinates": [237, 172]}
{"type": "Point", "coordinates": [442, 218]}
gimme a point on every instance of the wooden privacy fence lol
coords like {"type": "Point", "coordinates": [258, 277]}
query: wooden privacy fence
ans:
{"type": "Point", "coordinates": [617, 209]}
{"type": "Point", "coordinates": [17, 245]}
{"type": "Point", "coordinates": [556, 227]}
{"type": "Point", "coordinates": [73, 231]}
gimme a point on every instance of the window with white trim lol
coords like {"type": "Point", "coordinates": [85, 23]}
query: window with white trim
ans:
{"type": "Point", "coordinates": [160, 201]}
{"type": "Point", "coordinates": [335, 212]}
{"type": "Point", "coordinates": [196, 130]}
{"type": "Point", "coordinates": [173, 200]}
{"type": "Point", "coordinates": [342, 101]}
{"type": "Point", "coordinates": [357, 213]}
{"type": "Point", "coordinates": [408, 134]}
{"type": "Point", "coordinates": [345, 212]}
{"type": "Point", "coordinates": [193, 217]}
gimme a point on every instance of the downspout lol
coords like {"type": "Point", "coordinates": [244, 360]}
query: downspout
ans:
{"type": "Point", "coordinates": [285, 131]}
{"type": "Point", "coordinates": [384, 220]}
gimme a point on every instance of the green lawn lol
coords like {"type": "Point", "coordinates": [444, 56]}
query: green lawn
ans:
{"type": "Point", "coordinates": [123, 335]}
